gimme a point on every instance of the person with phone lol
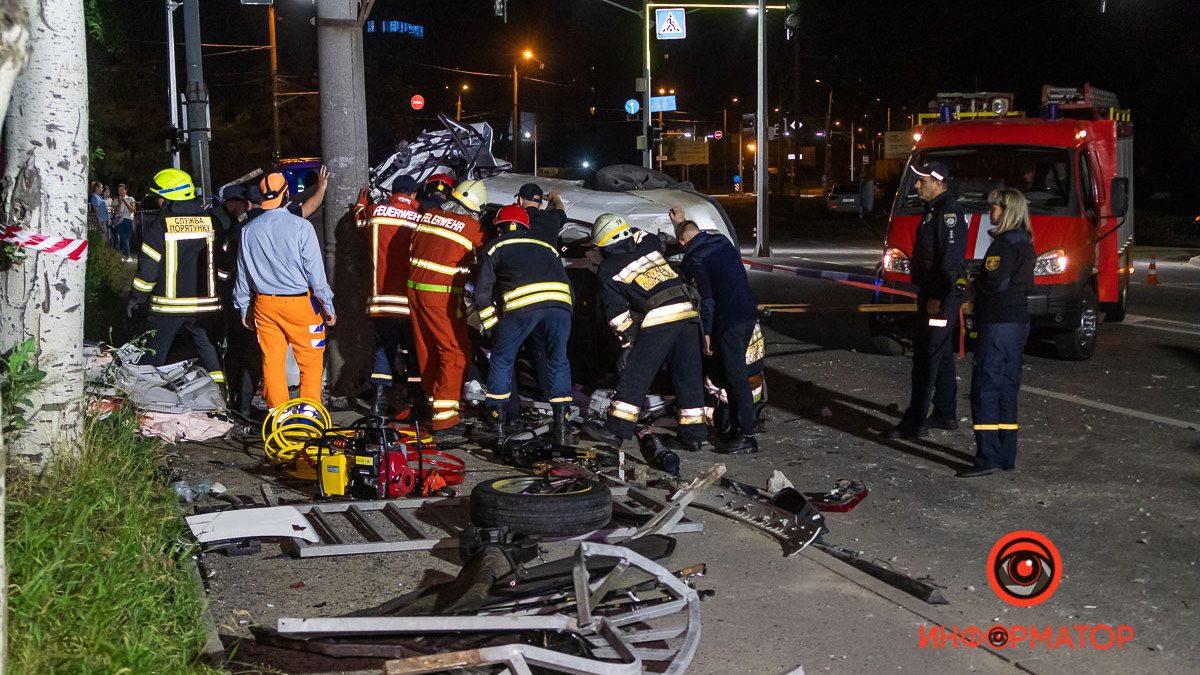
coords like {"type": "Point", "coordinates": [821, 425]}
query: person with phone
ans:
{"type": "Point", "coordinates": [283, 294]}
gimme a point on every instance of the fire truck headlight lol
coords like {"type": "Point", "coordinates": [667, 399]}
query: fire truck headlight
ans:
{"type": "Point", "coordinates": [1051, 262]}
{"type": "Point", "coordinates": [894, 260]}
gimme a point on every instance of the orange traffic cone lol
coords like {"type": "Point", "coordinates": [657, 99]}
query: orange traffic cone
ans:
{"type": "Point", "coordinates": [1152, 275]}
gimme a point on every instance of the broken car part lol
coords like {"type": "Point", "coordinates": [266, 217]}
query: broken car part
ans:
{"type": "Point", "coordinates": [918, 589]}
{"type": "Point", "coordinates": [845, 495]}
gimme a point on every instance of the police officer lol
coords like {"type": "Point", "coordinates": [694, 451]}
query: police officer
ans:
{"type": "Point", "coordinates": [937, 264]}
{"type": "Point", "coordinates": [544, 223]}
{"type": "Point", "coordinates": [176, 274]}
{"type": "Point", "coordinates": [728, 317]}
{"type": "Point", "coordinates": [654, 309]}
{"type": "Point", "coordinates": [1002, 314]}
{"type": "Point", "coordinates": [522, 285]}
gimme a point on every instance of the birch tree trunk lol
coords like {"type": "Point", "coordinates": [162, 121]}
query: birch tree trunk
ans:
{"type": "Point", "coordinates": [14, 42]}
{"type": "Point", "coordinates": [44, 191]}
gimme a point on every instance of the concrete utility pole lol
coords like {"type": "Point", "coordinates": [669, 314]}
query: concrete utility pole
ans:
{"type": "Point", "coordinates": [343, 148]}
{"type": "Point", "coordinates": [276, 151]}
{"type": "Point", "coordinates": [762, 247]}
{"type": "Point", "coordinates": [199, 128]}
{"type": "Point", "coordinates": [172, 81]}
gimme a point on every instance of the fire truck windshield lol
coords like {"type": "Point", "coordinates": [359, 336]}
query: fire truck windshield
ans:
{"type": "Point", "coordinates": [1043, 174]}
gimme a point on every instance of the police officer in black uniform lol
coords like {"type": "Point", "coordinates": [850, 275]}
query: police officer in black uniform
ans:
{"type": "Point", "coordinates": [544, 223]}
{"type": "Point", "coordinates": [649, 305]}
{"type": "Point", "coordinates": [938, 262]}
{"type": "Point", "coordinates": [1002, 314]}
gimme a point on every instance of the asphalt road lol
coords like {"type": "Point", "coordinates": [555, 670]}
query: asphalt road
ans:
{"type": "Point", "coordinates": [1107, 470]}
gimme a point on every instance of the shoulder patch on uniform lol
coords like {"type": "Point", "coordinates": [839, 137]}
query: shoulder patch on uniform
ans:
{"type": "Point", "coordinates": [992, 263]}
{"type": "Point", "coordinates": [951, 219]}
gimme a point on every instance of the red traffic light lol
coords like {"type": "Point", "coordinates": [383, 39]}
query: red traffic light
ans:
{"type": "Point", "coordinates": [417, 102]}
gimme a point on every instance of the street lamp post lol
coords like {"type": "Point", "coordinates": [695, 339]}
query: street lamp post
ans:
{"type": "Point", "coordinates": [458, 103]}
{"type": "Point", "coordinates": [516, 121]}
{"type": "Point", "coordinates": [276, 147]}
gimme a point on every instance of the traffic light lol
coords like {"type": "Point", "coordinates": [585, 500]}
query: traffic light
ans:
{"type": "Point", "coordinates": [792, 19]}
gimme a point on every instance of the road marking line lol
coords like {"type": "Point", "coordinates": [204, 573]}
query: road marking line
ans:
{"type": "Point", "coordinates": [1183, 327]}
{"type": "Point", "coordinates": [1071, 398]}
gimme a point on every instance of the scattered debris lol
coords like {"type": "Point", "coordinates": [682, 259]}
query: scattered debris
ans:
{"type": "Point", "coordinates": [918, 589]}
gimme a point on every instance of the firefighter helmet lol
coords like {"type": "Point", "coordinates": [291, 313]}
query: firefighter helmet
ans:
{"type": "Point", "coordinates": [610, 228]}
{"type": "Point", "coordinates": [173, 184]}
{"type": "Point", "coordinates": [440, 182]}
{"type": "Point", "coordinates": [472, 194]}
{"type": "Point", "coordinates": [512, 215]}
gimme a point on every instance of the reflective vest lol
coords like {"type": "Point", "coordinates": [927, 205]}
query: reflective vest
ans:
{"type": "Point", "coordinates": [443, 250]}
{"type": "Point", "coordinates": [640, 288]}
{"type": "Point", "coordinates": [175, 264]}
{"type": "Point", "coordinates": [392, 226]}
{"type": "Point", "coordinates": [518, 272]}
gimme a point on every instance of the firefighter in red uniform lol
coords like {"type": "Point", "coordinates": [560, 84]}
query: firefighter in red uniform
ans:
{"type": "Point", "coordinates": [443, 250]}
{"type": "Point", "coordinates": [392, 224]}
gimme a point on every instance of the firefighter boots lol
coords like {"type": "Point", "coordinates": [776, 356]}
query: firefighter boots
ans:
{"type": "Point", "coordinates": [560, 431]}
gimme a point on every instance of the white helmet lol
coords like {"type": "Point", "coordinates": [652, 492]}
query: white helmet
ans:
{"type": "Point", "coordinates": [472, 194]}
{"type": "Point", "coordinates": [610, 228]}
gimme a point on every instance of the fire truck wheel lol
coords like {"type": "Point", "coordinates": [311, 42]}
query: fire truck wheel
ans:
{"type": "Point", "coordinates": [1079, 343]}
{"type": "Point", "coordinates": [534, 505]}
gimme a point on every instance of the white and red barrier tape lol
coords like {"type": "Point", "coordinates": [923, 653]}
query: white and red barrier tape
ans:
{"type": "Point", "coordinates": [845, 278]}
{"type": "Point", "coordinates": [72, 249]}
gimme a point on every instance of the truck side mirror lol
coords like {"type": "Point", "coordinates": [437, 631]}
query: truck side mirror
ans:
{"type": "Point", "coordinates": [1118, 197]}
{"type": "Point", "coordinates": [866, 196]}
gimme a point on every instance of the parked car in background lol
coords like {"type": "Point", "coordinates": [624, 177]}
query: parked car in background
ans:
{"type": "Point", "coordinates": [843, 198]}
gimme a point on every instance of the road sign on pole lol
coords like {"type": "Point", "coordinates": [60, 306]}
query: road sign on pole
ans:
{"type": "Point", "coordinates": [417, 102]}
{"type": "Point", "coordinates": [662, 104]}
{"type": "Point", "coordinates": [670, 24]}
{"type": "Point", "coordinates": [718, 134]}
{"type": "Point", "coordinates": [632, 106]}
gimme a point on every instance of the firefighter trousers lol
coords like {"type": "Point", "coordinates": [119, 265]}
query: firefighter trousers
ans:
{"type": "Point", "coordinates": [933, 376]}
{"type": "Point", "coordinates": [440, 336]}
{"type": "Point", "coordinates": [167, 327]}
{"type": "Point", "coordinates": [678, 346]}
{"type": "Point", "coordinates": [995, 387]}
{"type": "Point", "coordinates": [395, 354]}
{"type": "Point", "coordinates": [289, 320]}
{"type": "Point", "coordinates": [550, 328]}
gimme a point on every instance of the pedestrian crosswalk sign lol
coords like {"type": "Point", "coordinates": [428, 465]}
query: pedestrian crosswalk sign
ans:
{"type": "Point", "coordinates": [669, 24]}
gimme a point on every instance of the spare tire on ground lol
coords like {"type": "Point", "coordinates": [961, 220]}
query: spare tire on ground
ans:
{"type": "Point", "coordinates": [534, 505]}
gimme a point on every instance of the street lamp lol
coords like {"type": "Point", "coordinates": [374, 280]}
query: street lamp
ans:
{"type": "Point", "coordinates": [458, 105]}
{"type": "Point", "coordinates": [527, 55]}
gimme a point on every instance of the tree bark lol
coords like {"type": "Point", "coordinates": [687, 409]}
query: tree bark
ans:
{"type": "Point", "coordinates": [14, 44]}
{"type": "Point", "coordinates": [44, 191]}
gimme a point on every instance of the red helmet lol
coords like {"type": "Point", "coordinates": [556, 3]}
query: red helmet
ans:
{"type": "Point", "coordinates": [512, 214]}
{"type": "Point", "coordinates": [439, 182]}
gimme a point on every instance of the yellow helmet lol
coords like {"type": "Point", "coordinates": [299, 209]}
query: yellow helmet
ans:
{"type": "Point", "coordinates": [471, 194]}
{"type": "Point", "coordinates": [173, 184]}
{"type": "Point", "coordinates": [610, 228]}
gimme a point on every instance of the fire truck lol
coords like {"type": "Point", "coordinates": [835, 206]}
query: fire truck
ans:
{"type": "Point", "coordinates": [1074, 162]}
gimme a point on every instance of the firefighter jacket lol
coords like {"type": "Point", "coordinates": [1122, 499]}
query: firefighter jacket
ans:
{"type": "Point", "coordinates": [640, 289]}
{"type": "Point", "coordinates": [1005, 280]}
{"type": "Point", "coordinates": [392, 224]}
{"type": "Point", "coordinates": [939, 252]}
{"type": "Point", "coordinates": [175, 265]}
{"type": "Point", "coordinates": [518, 272]}
{"type": "Point", "coordinates": [443, 250]}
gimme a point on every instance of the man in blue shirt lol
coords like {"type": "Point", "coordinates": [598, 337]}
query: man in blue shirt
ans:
{"type": "Point", "coordinates": [728, 316]}
{"type": "Point", "coordinates": [279, 262]}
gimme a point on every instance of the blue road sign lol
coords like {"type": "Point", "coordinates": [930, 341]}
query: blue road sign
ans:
{"type": "Point", "coordinates": [632, 106]}
{"type": "Point", "coordinates": [662, 104]}
{"type": "Point", "coordinates": [670, 24]}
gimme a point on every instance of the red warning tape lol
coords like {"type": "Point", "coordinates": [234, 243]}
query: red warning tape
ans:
{"type": "Point", "coordinates": [72, 249]}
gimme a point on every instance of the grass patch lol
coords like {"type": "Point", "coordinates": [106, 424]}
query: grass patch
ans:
{"type": "Point", "coordinates": [98, 582]}
{"type": "Point", "coordinates": [106, 291]}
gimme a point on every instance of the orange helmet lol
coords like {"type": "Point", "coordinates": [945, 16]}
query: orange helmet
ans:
{"type": "Point", "coordinates": [512, 214]}
{"type": "Point", "coordinates": [274, 189]}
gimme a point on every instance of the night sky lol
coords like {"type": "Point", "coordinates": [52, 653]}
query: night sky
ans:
{"type": "Point", "coordinates": [900, 53]}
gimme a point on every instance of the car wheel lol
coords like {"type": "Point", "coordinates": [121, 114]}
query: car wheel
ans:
{"type": "Point", "coordinates": [1079, 343]}
{"type": "Point", "coordinates": [547, 507]}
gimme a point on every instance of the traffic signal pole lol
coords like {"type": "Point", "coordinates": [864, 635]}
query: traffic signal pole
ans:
{"type": "Point", "coordinates": [762, 247]}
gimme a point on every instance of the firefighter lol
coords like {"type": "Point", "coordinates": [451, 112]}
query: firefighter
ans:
{"type": "Point", "coordinates": [651, 308]}
{"type": "Point", "coordinates": [443, 250]}
{"type": "Point", "coordinates": [521, 283]}
{"type": "Point", "coordinates": [176, 274]}
{"type": "Point", "coordinates": [938, 263]}
{"type": "Point", "coordinates": [729, 319]}
{"type": "Point", "coordinates": [436, 191]}
{"type": "Point", "coordinates": [280, 263]}
{"type": "Point", "coordinates": [1002, 314]}
{"type": "Point", "coordinates": [392, 224]}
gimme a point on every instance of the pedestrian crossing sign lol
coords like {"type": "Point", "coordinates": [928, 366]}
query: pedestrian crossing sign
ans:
{"type": "Point", "coordinates": [669, 24]}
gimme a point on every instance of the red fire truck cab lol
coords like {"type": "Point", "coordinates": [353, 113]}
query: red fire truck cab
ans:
{"type": "Point", "coordinates": [1075, 166]}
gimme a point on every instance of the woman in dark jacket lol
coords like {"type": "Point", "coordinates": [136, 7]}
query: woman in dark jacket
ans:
{"type": "Point", "coordinates": [1002, 314]}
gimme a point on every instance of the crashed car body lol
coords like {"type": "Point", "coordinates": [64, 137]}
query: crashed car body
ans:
{"type": "Point", "coordinates": [642, 196]}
